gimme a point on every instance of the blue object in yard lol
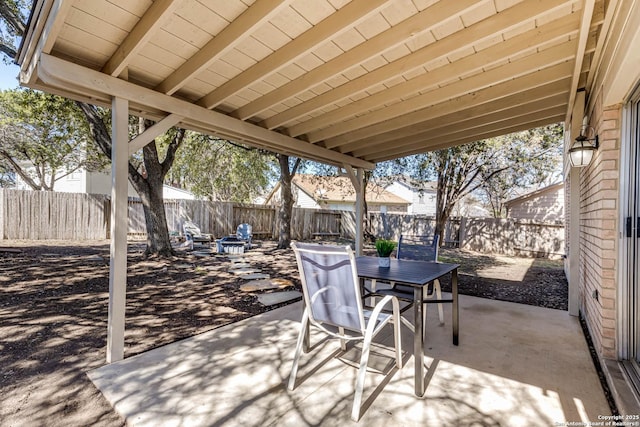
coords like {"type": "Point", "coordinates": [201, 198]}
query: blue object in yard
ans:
{"type": "Point", "coordinates": [244, 232]}
{"type": "Point", "coordinates": [231, 245]}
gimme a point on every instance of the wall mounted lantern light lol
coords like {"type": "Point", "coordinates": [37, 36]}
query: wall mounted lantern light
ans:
{"type": "Point", "coordinates": [582, 149]}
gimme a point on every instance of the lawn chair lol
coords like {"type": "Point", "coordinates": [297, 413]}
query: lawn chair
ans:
{"type": "Point", "coordinates": [420, 248]}
{"type": "Point", "coordinates": [244, 233]}
{"type": "Point", "coordinates": [333, 303]}
{"type": "Point", "coordinates": [193, 234]}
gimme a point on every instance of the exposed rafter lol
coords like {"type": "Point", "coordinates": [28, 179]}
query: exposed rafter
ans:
{"type": "Point", "coordinates": [585, 28]}
{"type": "Point", "coordinates": [231, 36]}
{"type": "Point", "coordinates": [72, 77]}
{"type": "Point", "coordinates": [406, 30]}
{"type": "Point", "coordinates": [152, 20]}
{"type": "Point", "coordinates": [335, 24]}
{"type": "Point", "coordinates": [437, 50]}
{"type": "Point", "coordinates": [523, 67]}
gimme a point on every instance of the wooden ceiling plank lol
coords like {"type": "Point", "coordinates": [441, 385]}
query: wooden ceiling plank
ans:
{"type": "Point", "coordinates": [43, 37]}
{"type": "Point", "coordinates": [395, 36]}
{"type": "Point", "coordinates": [465, 38]}
{"type": "Point", "coordinates": [335, 24]}
{"type": "Point", "coordinates": [524, 66]}
{"type": "Point", "coordinates": [256, 15]}
{"type": "Point", "coordinates": [158, 13]}
{"type": "Point", "coordinates": [559, 74]}
{"type": "Point", "coordinates": [424, 146]}
{"type": "Point", "coordinates": [553, 93]}
{"type": "Point", "coordinates": [437, 77]}
{"type": "Point", "coordinates": [460, 120]}
{"type": "Point", "coordinates": [469, 128]}
{"type": "Point", "coordinates": [56, 72]}
{"type": "Point", "coordinates": [585, 27]}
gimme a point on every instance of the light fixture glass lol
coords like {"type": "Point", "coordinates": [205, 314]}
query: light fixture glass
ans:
{"type": "Point", "coordinates": [582, 149]}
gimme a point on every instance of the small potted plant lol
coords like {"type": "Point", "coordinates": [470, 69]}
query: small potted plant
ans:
{"type": "Point", "coordinates": [384, 248]}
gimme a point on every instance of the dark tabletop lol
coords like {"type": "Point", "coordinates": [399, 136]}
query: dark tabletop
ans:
{"type": "Point", "coordinates": [403, 271]}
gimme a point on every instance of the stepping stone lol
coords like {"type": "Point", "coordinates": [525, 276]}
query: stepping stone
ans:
{"type": "Point", "coordinates": [265, 284]}
{"type": "Point", "coordinates": [245, 272]}
{"type": "Point", "coordinates": [254, 276]}
{"type": "Point", "coordinates": [278, 297]}
{"type": "Point", "coordinates": [240, 265]}
{"type": "Point", "coordinates": [202, 253]}
{"type": "Point", "coordinates": [183, 266]}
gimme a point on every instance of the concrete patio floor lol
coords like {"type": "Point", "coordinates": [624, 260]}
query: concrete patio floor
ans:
{"type": "Point", "coordinates": [516, 365]}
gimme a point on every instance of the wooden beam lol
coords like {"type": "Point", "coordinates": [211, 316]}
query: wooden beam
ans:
{"type": "Point", "coordinates": [59, 73]}
{"type": "Point", "coordinates": [524, 66]}
{"type": "Point", "coordinates": [119, 224]}
{"type": "Point", "coordinates": [552, 95]}
{"type": "Point", "coordinates": [154, 17]}
{"type": "Point", "coordinates": [585, 26]}
{"type": "Point", "coordinates": [42, 38]}
{"type": "Point", "coordinates": [454, 133]}
{"type": "Point", "coordinates": [398, 34]}
{"type": "Point", "coordinates": [424, 146]}
{"type": "Point", "coordinates": [151, 133]}
{"type": "Point", "coordinates": [232, 35]}
{"type": "Point", "coordinates": [337, 23]}
{"type": "Point", "coordinates": [479, 61]}
{"type": "Point", "coordinates": [480, 97]}
{"type": "Point", "coordinates": [440, 49]}
{"type": "Point", "coordinates": [534, 111]}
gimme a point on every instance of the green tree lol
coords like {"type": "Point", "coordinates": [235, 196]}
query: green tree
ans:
{"type": "Point", "coordinates": [496, 166]}
{"type": "Point", "coordinates": [147, 175]}
{"type": "Point", "coordinates": [44, 138]}
{"type": "Point", "coordinates": [217, 169]}
{"type": "Point", "coordinates": [12, 25]}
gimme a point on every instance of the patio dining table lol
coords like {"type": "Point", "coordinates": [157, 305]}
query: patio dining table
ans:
{"type": "Point", "coordinates": [418, 275]}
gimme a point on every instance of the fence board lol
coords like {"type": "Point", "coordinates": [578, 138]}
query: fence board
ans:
{"type": "Point", "coordinates": [37, 215]}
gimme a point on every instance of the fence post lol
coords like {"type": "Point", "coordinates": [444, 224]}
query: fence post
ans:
{"type": "Point", "coordinates": [462, 232]}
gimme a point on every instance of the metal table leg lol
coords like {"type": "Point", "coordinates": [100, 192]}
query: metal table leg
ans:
{"type": "Point", "coordinates": [454, 294]}
{"type": "Point", "coordinates": [418, 340]}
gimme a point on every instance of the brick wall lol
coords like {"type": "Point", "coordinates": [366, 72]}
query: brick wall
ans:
{"type": "Point", "coordinates": [599, 193]}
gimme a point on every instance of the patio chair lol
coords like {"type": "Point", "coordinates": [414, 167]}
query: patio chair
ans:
{"type": "Point", "coordinates": [244, 232]}
{"type": "Point", "coordinates": [420, 248]}
{"type": "Point", "coordinates": [193, 234]}
{"type": "Point", "coordinates": [333, 304]}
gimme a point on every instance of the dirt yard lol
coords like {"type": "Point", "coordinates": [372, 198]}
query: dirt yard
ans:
{"type": "Point", "coordinates": [53, 313]}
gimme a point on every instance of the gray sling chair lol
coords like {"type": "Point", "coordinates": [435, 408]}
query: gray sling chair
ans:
{"type": "Point", "coordinates": [333, 303]}
{"type": "Point", "coordinates": [420, 248]}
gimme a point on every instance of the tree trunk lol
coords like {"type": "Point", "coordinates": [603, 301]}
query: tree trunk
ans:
{"type": "Point", "coordinates": [148, 185]}
{"type": "Point", "coordinates": [286, 203]}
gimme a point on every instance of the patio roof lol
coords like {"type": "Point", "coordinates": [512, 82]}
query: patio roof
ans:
{"type": "Point", "coordinates": [346, 83]}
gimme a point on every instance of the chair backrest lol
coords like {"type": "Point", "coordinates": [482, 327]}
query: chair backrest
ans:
{"type": "Point", "coordinates": [191, 229]}
{"type": "Point", "coordinates": [422, 248]}
{"type": "Point", "coordinates": [244, 231]}
{"type": "Point", "coordinates": [330, 285]}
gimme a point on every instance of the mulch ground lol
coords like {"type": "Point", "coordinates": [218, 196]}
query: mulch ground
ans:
{"type": "Point", "coordinates": [53, 313]}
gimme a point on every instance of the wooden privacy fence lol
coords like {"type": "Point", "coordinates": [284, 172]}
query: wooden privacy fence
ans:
{"type": "Point", "coordinates": [491, 235]}
{"type": "Point", "coordinates": [40, 215]}
{"type": "Point", "coordinates": [45, 215]}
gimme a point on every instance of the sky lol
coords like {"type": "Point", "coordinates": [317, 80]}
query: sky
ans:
{"type": "Point", "coordinates": [8, 76]}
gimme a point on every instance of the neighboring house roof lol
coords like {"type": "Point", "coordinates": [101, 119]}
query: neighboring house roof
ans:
{"type": "Point", "coordinates": [328, 189]}
{"type": "Point", "coordinates": [535, 193]}
{"type": "Point", "coordinates": [340, 189]}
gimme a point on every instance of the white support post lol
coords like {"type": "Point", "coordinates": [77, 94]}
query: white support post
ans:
{"type": "Point", "coordinates": [118, 260]}
{"type": "Point", "coordinates": [356, 178]}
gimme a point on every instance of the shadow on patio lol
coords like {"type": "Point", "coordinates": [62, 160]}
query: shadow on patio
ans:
{"type": "Point", "coordinates": [516, 365]}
